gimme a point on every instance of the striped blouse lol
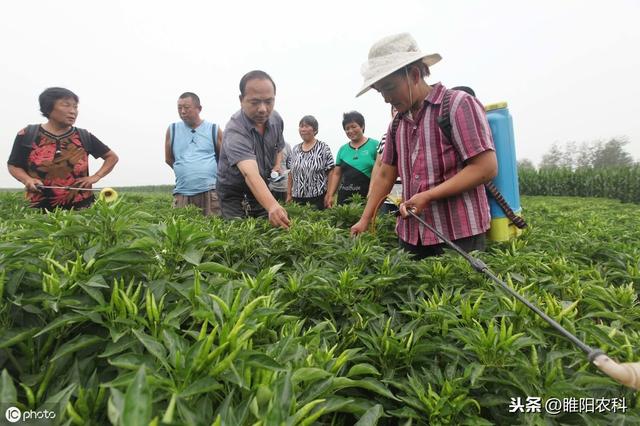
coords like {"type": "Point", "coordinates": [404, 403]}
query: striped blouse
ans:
{"type": "Point", "coordinates": [309, 170]}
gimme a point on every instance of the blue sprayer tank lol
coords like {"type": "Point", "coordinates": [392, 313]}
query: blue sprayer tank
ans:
{"type": "Point", "coordinates": [501, 124]}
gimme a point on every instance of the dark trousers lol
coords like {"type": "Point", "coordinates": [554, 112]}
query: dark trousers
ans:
{"type": "Point", "coordinates": [475, 242]}
{"type": "Point", "coordinates": [317, 202]}
{"type": "Point", "coordinates": [280, 196]}
{"type": "Point", "coordinates": [240, 205]}
{"type": "Point", "coordinates": [388, 208]}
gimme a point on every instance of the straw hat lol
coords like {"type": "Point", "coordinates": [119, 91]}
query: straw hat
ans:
{"type": "Point", "coordinates": [389, 55]}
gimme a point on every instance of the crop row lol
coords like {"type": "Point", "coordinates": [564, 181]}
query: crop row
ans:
{"type": "Point", "coordinates": [134, 313]}
{"type": "Point", "coordinates": [621, 183]}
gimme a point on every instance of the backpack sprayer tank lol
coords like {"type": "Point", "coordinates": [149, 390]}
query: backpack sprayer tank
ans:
{"type": "Point", "coordinates": [501, 124]}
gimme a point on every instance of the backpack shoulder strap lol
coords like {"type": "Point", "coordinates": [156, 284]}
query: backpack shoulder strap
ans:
{"type": "Point", "coordinates": [85, 138]}
{"type": "Point", "coordinates": [214, 134]}
{"type": "Point", "coordinates": [444, 121]}
{"type": "Point", "coordinates": [30, 134]}
{"type": "Point", "coordinates": [391, 138]}
{"type": "Point", "coordinates": [173, 136]}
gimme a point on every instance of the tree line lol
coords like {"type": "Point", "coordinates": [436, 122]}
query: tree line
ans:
{"type": "Point", "coordinates": [595, 154]}
{"type": "Point", "coordinates": [592, 169]}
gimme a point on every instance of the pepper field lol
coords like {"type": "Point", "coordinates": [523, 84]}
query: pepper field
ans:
{"type": "Point", "coordinates": [132, 313]}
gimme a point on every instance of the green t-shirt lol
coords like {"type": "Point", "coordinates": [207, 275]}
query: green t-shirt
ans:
{"type": "Point", "coordinates": [356, 165]}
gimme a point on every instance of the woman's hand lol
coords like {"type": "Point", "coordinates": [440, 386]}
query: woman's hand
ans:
{"type": "Point", "coordinates": [86, 182]}
{"type": "Point", "coordinates": [31, 184]}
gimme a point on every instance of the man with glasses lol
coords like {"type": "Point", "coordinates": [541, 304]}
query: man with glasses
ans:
{"type": "Point", "coordinates": [191, 150]}
{"type": "Point", "coordinates": [252, 153]}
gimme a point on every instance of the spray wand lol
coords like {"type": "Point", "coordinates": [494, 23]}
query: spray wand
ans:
{"type": "Point", "coordinates": [106, 194]}
{"type": "Point", "coordinates": [627, 373]}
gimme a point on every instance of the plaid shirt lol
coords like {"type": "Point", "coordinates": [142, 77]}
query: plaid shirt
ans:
{"type": "Point", "coordinates": [425, 159]}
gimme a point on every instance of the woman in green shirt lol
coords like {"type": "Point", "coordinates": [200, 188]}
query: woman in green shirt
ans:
{"type": "Point", "coordinates": [354, 162]}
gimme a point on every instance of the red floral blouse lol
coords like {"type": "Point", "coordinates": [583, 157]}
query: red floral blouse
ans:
{"type": "Point", "coordinates": [57, 160]}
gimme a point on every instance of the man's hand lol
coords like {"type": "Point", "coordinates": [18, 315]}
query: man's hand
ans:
{"type": "Point", "coordinates": [86, 182]}
{"type": "Point", "coordinates": [31, 184]}
{"type": "Point", "coordinates": [278, 216]}
{"type": "Point", "coordinates": [360, 227]}
{"type": "Point", "coordinates": [416, 204]}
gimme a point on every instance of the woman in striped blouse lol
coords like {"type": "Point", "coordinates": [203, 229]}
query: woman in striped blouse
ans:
{"type": "Point", "coordinates": [309, 164]}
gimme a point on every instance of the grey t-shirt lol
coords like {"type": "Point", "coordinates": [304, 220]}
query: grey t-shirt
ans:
{"type": "Point", "coordinates": [282, 185]}
{"type": "Point", "coordinates": [241, 141]}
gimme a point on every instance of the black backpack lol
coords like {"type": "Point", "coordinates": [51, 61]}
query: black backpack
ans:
{"type": "Point", "coordinates": [444, 122]}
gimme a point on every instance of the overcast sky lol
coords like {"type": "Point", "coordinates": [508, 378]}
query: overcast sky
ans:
{"type": "Point", "coordinates": [568, 69]}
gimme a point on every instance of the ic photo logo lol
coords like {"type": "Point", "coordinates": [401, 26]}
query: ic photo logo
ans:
{"type": "Point", "coordinates": [13, 414]}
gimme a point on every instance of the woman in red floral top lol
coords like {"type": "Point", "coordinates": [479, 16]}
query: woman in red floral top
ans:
{"type": "Point", "coordinates": [58, 156]}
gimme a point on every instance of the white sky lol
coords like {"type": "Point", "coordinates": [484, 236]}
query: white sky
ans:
{"type": "Point", "coordinates": [567, 68]}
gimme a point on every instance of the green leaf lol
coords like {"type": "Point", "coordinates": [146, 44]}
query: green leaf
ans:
{"type": "Point", "coordinates": [329, 406]}
{"type": "Point", "coordinates": [371, 417]}
{"type": "Point", "coordinates": [78, 343]}
{"type": "Point", "coordinates": [61, 398]}
{"type": "Point", "coordinates": [204, 385]}
{"type": "Point", "coordinates": [363, 369]}
{"type": "Point", "coordinates": [282, 401]}
{"type": "Point", "coordinates": [366, 383]}
{"type": "Point", "coordinates": [93, 286]}
{"type": "Point", "coordinates": [114, 348]}
{"type": "Point", "coordinates": [32, 309]}
{"type": "Point", "coordinates": [286, 395]}
{"type": "Point", "coordinates": [263, 361]}
{"type": "Point", "coordinates": [66, 319]}
{"type": "Point", "coordinates": [90, 253]}
{"type": "Point", "coordinates": [127, 361]}
{"type": "Point", "coordinates": [94, 293]}
{"type": "Point", "coordinates": [309, 374]}
{"type": "Point", "coordinates": [226, 411]}
{"type": "Point", "coordinates": [176, 314]}
{"type": "Point", "coordinates": [8, 394]}
{"type": "Point", "coordinates": [193, 255]}
{"type": "Point", "coordinates": [12, 337]}
{"type": "Point", "coordinates": [303, 413]}
{"type": "Point", "coordinates": [168, 414]}
{"type": "Point", "coordinates": [216, 268]}
{"type": "Point", "coordinates": [172, 342]}
{"type": "Point", "coordinates": [153, 346]}
{"type": "Point", "coordinates": [190, 417]}
{"type": "Point", "coordinates": [145, 243]}
{"type": "Point", "coordinates": [137, 401]}
{"type": "Point", "coordinates": [115, 406]}
{"type": "Point", "coordinates": [474, 371]}
{"type": "Point", "coordinates": [317, 390]}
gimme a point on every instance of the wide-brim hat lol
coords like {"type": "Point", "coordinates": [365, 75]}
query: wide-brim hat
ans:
{"type": "Point", "coordinates": [390, 54]}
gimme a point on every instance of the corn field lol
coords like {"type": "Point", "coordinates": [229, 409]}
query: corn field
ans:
{"type": "Point", "coordinates": [133, 313]}
{"type": "Point", "coordinates": [621, 183]}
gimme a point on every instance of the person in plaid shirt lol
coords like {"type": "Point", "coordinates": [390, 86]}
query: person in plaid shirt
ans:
{"type": "Point", "coordinates": [442, 180]}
